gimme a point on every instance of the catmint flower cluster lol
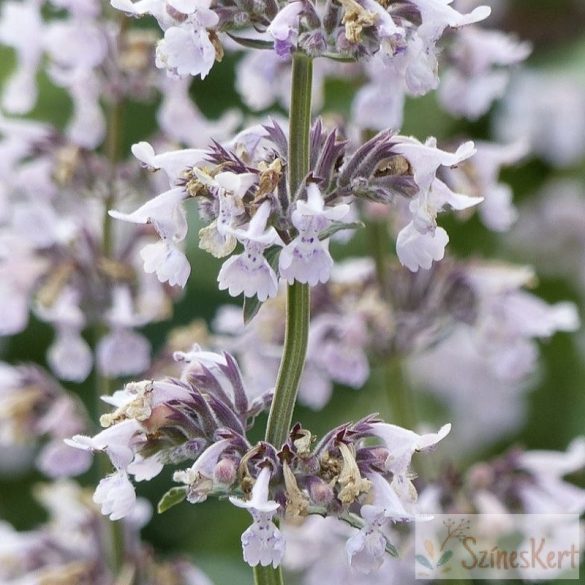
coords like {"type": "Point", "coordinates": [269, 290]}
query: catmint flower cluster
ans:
{"type": "Point", "coordinates": [48, 553]}
{"type": "Point", "coordinates": [405, 33]}
{"type": "Point", "coordinates": [34, 408]}
{"type": "Point", "coordinates": [55, 255]}
{"type": "Point", "coordinates": [520, 481]}
{"type": "Point", "coordinates": [358, 472]}
{"type": "Point", "coordinates": [53, 262]}
{"type": "Point", "coordinates": [477, 316]}
{"type": "Point", "coordinates": [243, 194]}
{"type": "Point", "coordinates": [496, 353]}
{"type": "Point", "coordinates": [353, 323]}
{"type": "Point", "coordinates": [556, 215]}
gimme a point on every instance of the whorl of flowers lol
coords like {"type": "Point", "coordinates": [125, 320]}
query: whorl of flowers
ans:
{"type": "Point", "coordinates": [242, 191]}
{"type": "Point", "coordinates": [203, 418]}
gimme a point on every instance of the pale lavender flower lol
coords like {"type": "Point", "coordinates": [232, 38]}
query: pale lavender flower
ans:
{"type": "Point", "coordinates": [284, 28]}
{"type": "Point", "coordinates": [117, 441]}
{"type": "Point", "coordinates": [478, 76]}
{"type": "Point", "coordinates": [250, 273]}
{"type": "Point", "coordinates": [87, 127]}
{"type": "Point", "coordinates": [21, 27]}
{"type": "Point", "coordinates": [480, 176]}
{"type": "Point", "coordinates": [317, 549]}
{"type": "Point", "coordinates": [551, 230]}
{"type": "Point", "coordinates": [20, 269]}
{"type": "Point", "coordinates": [404, 443]}
{"type": "Point", "coordinates": [547, 493]}
{"type": "Point", "coordinates": [437, 15]}
{"type": "Point", "coordinates": [374, 107]}
{"type": "Point", "coordinates": [427, 158]}
{"type": "Point", "coordinates": [69, 356]}
{"type": "Point", "coordinates": [306, 259]}
{"type": "Point", "coordinates": [59, 460]}
{"type": "Point", "coordinates": [185, 52]}
{"type": "Point", "coordinates": [173, 162]}
{"type": "Point", "coordinates": [548, 111]}
{"type": "Point", "coordinates": [76, 43]}
{"type": "Point", "coordinates": [199, 478]}
{"type": "Point", "coordinates": [496, 353]}
{"type": "Point", "coordinates": [366, 549]}
{"type": "Point", "coordinates": [218, 238]}
{"type": "Point", "coordinates": [122, 352]}
{"type": "Point", "coordinates": [419, 250]}
{"type": "Point", "coordinates": [115, 495]}
{"type": "Point", "coordinates": [262, 543]}
{"type": "Point", "coordinates": [180, 119]}
{"type": "Point", "coordinates": [420, 241]}
{"type": "Point", "coordinates": [337, 344]}
{"type": "Point", "coordinates": [167, 261]}
{"type": "Point", "coordinates": [165, 212]}
{"type": "Point", "coordinates": [263, 79]}
{"type": "Point", "coordinates": [145, 468]}
{"type": "Point", "coordinates": [420, 65]}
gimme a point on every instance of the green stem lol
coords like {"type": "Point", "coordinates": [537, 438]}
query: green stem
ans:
{"type": "Point", "coordinates": [403, 411]}
{"type": "Point", "coordinates": [112, 152]}
{"type": "Point", "coordinates": [298, 302]}
{"type": "Point", "coordinates": [267, 576]}
{"type": "Point", "coordinates": [298, 297]}
{"type": "Point", "coordinates": [380, 245]}
{"type": "Point", "coordinates": [114, 533]}
{"type": "Point", "coordinates": [291, 365]}
{"type": "Point", "coordinates": [400, 396]}
{"type": "Point", "coordinates": [300, 122]}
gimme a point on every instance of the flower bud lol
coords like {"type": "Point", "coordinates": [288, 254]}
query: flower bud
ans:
{"type": "Point", "coordinates": [320, 491]}
{"type": "Point", "coordinates": [225, 472]}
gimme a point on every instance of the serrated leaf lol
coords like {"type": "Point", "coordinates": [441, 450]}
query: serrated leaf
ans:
{"type": "Point", "coordinates": [424, 562]}
{"type": "Point", "coordinates": [173, 497]}
{"type": "Point", "coordinates": [445, 557]}
{"type": "Point", "coordinates": [337, 226]}
{"type": "Point", "coordinates": [252, 43]}
{"type": "Point", "coordinates": [252, 304]}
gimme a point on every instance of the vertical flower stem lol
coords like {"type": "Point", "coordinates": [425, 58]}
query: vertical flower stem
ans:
{"type": "Point", "coordinates": [298, 298]}
{"type": "Point", "coordinates": [379, 241]}
{"type": "Point", "coordinates": [291, 365]}
{"type": "Point", "coordinates": [298, 305]}
{"type": "Point", "coordinates": [114, 531]}
{"type": "Point", "coordinates": [399, 394]}
{"type": "Point", "coordinates": [267, 576]}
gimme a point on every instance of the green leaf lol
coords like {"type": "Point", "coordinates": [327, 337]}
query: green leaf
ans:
{"type": "Point", "coordinates": [338, 57]}
{"type": "Point", "coordinates": [337, 226]}
{"type": "Point", "coordinates": [424, 561]}
{"type": "Point", "coordinates": [445, 558]}
{"type": "Point", "coordinates": [252, 304]}
{"type": "Point", "coordinates": [252, 43]}
{"type": "Point", "coordinates": [391, 549]}
{"type": "Point", "coordinates": [173, 497]}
